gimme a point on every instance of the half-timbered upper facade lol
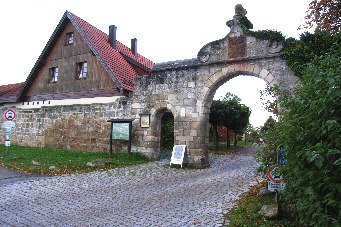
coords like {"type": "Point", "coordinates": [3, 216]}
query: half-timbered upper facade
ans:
{"type": "Point", "coordinates": [81, 62]}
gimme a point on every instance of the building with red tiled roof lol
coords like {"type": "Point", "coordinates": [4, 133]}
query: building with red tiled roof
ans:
{"type": "Point", "coordinates": [83, 78]}
{"type": "Point", "coordinates": [9, 93]}
{"type": "Point", "coordinates": [80, 61]}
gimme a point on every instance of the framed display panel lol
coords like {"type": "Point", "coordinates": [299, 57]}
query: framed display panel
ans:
{"type": "Point", "coordinates": [120, 130]}
{"type": "Point", "coordinates": [144, 120]}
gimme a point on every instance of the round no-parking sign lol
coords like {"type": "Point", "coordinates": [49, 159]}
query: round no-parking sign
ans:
{"type": "Point", "coordinates": [10, 115]}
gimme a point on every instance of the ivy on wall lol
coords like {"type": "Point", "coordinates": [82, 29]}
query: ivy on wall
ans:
{"type": "Point", "coordinates": [270, 35]}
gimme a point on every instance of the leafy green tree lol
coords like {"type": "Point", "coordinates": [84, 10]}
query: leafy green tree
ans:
{"type": "Point", "coordinates": [216, 119]}
{"type": "Point", "coordinates": [253, 133]}
{"type": "Point", "coordinates": [231, 114]}
{"type": "Point", "coordinates": [268, 153]}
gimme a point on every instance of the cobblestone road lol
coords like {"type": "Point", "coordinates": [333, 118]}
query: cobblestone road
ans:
{"type": "Point", "coordinates": [143, 195]}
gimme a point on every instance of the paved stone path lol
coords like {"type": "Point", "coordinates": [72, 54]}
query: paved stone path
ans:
{"type": "Point", "coordinates": [8, 176]}
{"type": "Point", "coordinates": [143, 195]}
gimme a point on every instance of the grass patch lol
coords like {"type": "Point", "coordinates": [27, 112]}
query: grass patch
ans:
{"type": "Point", "coordinates": [246, 211]}
{"type": "Point", "coordinates": [21, 158]}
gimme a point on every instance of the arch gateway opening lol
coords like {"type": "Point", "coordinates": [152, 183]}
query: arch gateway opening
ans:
{"type": "Point", "coordinates": [187, 87]}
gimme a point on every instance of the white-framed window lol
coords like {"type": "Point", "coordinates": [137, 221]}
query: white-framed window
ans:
{"type": "Point", "coordinates": [53, 74]}
{"type": "Point", "coordinates": [82, 70]}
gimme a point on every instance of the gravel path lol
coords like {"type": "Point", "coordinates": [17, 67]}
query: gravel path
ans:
{"type": "Point", "coordinates": [143, 195]}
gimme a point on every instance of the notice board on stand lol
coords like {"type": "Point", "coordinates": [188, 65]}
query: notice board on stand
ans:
{"type": "Point", "coordinates": [120, 130]}
{"type": "Point", "coordinates": [179, 155]}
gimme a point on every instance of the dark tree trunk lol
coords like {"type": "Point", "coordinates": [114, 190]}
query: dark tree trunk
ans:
{"type": "Point", "coordinates": [228, 139]}
{"type": "Point", "coordinates": [216, 138]}
{"type": "Point", "coordinates": [235, 139]}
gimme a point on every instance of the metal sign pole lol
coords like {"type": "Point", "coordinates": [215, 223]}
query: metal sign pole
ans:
{"type": "Point", "coordinates": [276, 195]}
{"type": "Point", "coordinates": [111, 137]}
{"type": "Point", "coordinates": [130, 129]}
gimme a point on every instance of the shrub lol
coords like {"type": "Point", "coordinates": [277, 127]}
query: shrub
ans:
{"type": "Point", "coordinates": [309, 129]}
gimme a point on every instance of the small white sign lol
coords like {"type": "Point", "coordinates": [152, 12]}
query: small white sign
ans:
{"type": "Point", "coordinates": [178, 154]}
{"type": "Point", "coordinates": [276, 186]}
{"type": "Point", "coordinates": [183, 112]}
{"type": "Point", "coordinates": [7, 143]}
{"type": "Point", "coordinates": [8, 124]}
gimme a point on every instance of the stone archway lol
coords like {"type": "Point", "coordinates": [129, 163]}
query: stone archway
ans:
{"type": "Point", "coordinates": [187, 87]}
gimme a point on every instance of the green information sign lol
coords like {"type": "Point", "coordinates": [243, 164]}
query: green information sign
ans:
{"type": "Point", "coordinates": [120, 131]}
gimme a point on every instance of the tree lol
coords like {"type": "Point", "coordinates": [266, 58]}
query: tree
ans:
{"type": "Point", "coordinates": [326, 14]}
{"type": "Point", "coordinates": [241, 120]}
{"type": "Point", "coordinates": [231, 114]}
{"type": "Point", "coordinates": [253, 133]}
{"type": "Point", "coordinates": [216, 118]}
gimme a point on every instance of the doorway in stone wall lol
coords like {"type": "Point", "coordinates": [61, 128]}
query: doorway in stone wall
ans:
{"type": "Point", "coordinates": [167, 134]}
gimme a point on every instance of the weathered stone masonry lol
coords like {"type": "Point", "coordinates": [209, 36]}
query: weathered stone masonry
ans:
{"type": "Point", "coordinates": [186, 88]}
{"type": "Point", "coordinates": [76, 127]}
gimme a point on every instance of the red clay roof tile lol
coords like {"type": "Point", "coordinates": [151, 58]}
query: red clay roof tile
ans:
{"type": "Point", "coordinates": [115, 59]}
{"type": "Point", "coordinates": [10, 90]}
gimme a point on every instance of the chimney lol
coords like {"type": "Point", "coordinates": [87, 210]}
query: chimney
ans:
{"type": "Point", "coordinates": [112, 36]}
{"type": "Point", "coordinates": [134, 46]}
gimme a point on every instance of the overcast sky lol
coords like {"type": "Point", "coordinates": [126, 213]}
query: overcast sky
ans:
{"type": "Point", "coordinates": [166, 30]}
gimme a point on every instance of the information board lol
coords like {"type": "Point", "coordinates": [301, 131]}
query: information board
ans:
{"type": "Point", "coordinates": [178, 155]}
{"type": "Point", "coordinates": [120, 131]}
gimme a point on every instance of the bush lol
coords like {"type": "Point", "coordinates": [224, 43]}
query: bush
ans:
{"type": "Point", "coordinates": [309, 129]}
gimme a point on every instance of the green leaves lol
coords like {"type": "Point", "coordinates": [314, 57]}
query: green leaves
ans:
{"type": "Point", "coordinates": [309, 129]}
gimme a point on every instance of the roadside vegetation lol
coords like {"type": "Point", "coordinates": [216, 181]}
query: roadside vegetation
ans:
{"type": "Point", "coordinates": [52, 161]}
{"type": "Point", "coordinates": [308, 123]}
{"type": "Point", "coordinates": [246, 212]}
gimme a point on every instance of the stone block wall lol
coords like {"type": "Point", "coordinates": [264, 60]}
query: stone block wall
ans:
{"type": "Point", "coordinates": [74, 127]}
{"type": "Point", "coordinates": [186, 88]}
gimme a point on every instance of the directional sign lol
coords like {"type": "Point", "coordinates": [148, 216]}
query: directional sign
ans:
{"type": "Point", "coordinates": [283, 160]}
{"type": "Point", "coordinates": [10, 115]}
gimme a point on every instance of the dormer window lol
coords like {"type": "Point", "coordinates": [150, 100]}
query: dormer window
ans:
{"type": "Point", "coordinates": [82, 70]}
{"type": "Point", "coordinates": [53, 74]}
{"type": "Point", "coordinates": [69, 38]}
